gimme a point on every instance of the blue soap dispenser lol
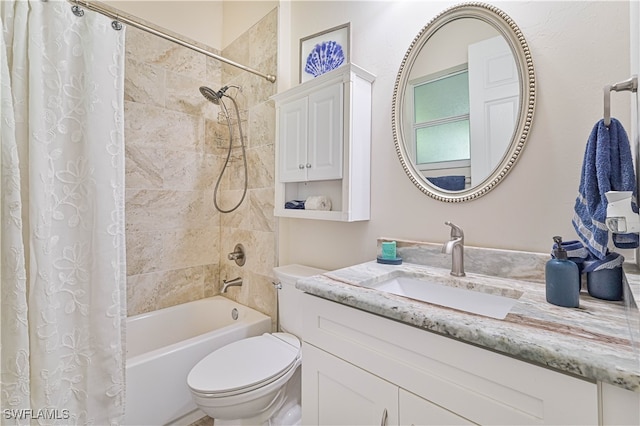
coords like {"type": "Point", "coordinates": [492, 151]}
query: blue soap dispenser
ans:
{"type": "Point", "coordinates": [562, 278]}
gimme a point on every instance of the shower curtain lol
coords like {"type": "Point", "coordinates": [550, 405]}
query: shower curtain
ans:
{"type": "Point", "coordinates": [62, 215]}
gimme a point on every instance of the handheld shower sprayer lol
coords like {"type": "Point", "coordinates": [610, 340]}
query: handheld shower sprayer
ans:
{"type": "Point", "coordinates": [216, 98]}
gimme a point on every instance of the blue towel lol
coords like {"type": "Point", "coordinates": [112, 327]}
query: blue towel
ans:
{"type": "Point", "coordinates": [607, 166]}
{"type": "Point", "coordinates": [450, 183]}
{"type": "Point", "coordinates": [576, 251]}
{"type": "Point", "coordinates": [611, 261]}
{"type": "Point", "coordinates": [578, 254]}
{"type": "Point", "coordinates": [294, 204]}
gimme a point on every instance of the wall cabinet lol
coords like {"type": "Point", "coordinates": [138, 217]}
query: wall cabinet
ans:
{"type": "Point", "coordinates": [324, 144]}
{"type": "Point", "coordinates": [356, 365]}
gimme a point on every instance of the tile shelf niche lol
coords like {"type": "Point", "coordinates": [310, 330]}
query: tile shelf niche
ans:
{"type": "Point", "coordinates": [324, 145]}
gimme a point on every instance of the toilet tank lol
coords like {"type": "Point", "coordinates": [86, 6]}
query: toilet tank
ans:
{"type": "Point", "coordinates": [289, 297]}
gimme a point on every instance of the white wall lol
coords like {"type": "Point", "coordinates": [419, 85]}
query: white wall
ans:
{"type": "Point", "coordinates": [577, 48]}
{"type": "Point", "coordinates": [215, 23]}
{"type": "Point", "coordinates": [634, 52]}
{"type": "Point", "coordinates": [240, 15]}
{"type": "Point", "coordinates": [200, 21]}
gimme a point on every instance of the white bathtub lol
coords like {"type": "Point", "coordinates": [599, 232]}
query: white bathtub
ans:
{"type": "Point", "coordinates": [163, 346]}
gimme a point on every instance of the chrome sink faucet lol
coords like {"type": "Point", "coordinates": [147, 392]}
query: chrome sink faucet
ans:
{"type": "Point", "coordinates": [455, 247]}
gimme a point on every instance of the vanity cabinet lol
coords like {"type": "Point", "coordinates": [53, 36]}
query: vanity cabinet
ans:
{"type": "Point", "coordinates": [356, 365]}
{"type": "Point", "coordinates": [419, 411]}
{"type": "Point", "coordinates": [324, 145]}
{"type": "Point", "coordinates": [339, 393]}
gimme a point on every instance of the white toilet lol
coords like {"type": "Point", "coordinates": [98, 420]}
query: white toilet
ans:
{"type": "Point", "coordinates": [256, 381]}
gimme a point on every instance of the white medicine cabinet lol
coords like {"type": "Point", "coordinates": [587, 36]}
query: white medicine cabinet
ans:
{"type": "Point", "coordinates": [324, 145]}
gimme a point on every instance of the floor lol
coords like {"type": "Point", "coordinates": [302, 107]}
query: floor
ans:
{"type": "Point", "coordinates": [205, 421]}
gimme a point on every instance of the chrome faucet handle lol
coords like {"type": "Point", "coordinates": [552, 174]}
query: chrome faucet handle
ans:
{"type": "Point", "coordinates": [456, 231]}
{"type": "Point", "coordinates": [238, 255]}
{"type": "Point", "coordinates": [235, 255]}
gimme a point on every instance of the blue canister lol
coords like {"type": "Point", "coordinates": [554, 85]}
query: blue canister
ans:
{"type": "Point", "coordinates": [562, 278]}
{"type": "Point", "coordinates": [605, 277]}
{"type": "Point", "coordinates": [605, 284]}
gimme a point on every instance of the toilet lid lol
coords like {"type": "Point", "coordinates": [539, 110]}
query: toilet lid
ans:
{"type": "Point", "coordinates": [244, 363]}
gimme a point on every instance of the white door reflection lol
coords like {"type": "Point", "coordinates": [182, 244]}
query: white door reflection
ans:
{"type": "Point", "coordinates": [493, 104]}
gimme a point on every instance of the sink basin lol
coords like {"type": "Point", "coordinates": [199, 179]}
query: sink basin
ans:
{"type": "Point", "coordinates": [482, 299]}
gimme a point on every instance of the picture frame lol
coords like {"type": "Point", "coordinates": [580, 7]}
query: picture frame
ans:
{"type": "Point", "coordinates": [324, 51]}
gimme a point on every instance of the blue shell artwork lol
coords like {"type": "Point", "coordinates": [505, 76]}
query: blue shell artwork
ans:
{"type": "Point", "coordinates": [324, 57]}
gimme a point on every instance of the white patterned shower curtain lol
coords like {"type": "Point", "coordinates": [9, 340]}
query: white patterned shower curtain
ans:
{"type": "Point", "coordinates": [62, 215]}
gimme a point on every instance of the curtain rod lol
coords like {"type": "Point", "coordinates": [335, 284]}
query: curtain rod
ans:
{"type": "Point", "coordinates": [160, 33]}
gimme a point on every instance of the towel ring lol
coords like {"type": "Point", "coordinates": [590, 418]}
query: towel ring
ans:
{"type": "Point", "coordinates": [628, 85]}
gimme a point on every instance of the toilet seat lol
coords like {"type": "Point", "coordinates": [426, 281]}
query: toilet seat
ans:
{"type": "Point", "coordinates": [245, 365]}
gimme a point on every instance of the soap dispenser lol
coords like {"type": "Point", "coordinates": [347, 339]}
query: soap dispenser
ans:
{"type": "Point", "coordinates": [562, 278]}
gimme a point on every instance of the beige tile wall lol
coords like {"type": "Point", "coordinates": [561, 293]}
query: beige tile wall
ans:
{"type": "Point", "coordinates": [177, 243]}
{"type": "Point", "coordinates": [253, 224]}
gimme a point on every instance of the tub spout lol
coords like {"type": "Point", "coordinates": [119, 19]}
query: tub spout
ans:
{"type": "Point", "coordinates": [236, 282]}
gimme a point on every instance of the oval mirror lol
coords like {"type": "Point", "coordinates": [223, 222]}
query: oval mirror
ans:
{"type": "Point", "coordinates": [463, 102]}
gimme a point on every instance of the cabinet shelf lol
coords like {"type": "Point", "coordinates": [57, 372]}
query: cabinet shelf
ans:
{"type": "Point", "coordinates": [310, 214]}
{"type": "Point", "coordinates": [324, 145]}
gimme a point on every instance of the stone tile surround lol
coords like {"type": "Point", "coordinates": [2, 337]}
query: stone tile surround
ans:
{"type": "Point", "coordinates": [177, 243]}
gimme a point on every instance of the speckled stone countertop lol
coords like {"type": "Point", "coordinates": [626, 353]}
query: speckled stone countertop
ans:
{"type": "Point", "coordinates": [597, 341]}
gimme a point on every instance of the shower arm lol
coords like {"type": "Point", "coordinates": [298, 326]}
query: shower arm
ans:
{"type": "Point", "coordinates": [130, 20]}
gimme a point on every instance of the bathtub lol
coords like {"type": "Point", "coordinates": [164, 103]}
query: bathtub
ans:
{"type": "Point", "coordinates": [163, 346]}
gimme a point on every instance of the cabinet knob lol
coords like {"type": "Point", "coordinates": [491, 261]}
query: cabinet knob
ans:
{"type": "Point", "coordinates": [301, 166]}
{"type": "Point", "coordinates": [308, 165]}
{"type": "Point", "coordinates": [384, 418]}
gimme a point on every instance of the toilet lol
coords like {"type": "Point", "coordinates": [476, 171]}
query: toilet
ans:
{"type": "Point", "coordinates": [256, 381]}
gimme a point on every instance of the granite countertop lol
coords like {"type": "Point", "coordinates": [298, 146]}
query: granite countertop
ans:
{"type": "Point", "coordinates": [597, 341]}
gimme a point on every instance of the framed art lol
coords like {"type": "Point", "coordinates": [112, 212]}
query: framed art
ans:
{"type": "Point", "coordinates": [324, 51]}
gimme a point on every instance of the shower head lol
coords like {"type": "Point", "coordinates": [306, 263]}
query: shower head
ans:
{"type": "Point", "coordinates": [213, 96]}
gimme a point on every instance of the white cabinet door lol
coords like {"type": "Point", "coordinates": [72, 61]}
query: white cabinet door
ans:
{"type": "Point", "coordinates": [619, 406]}
{"type": "Point", "coordinates": [335, 392]}
{"type": "Point", "coordinates": [311, 135]}
{"type": "Point", "coordinates": [416, 411]}
{"type": "Point", "coordinates": [324, 156]}
{"type": "Point", "coordinates": [293, 127]}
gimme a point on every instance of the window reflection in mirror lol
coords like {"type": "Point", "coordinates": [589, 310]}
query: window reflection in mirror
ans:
{"type": "Point", "coordinates": [441, 124]}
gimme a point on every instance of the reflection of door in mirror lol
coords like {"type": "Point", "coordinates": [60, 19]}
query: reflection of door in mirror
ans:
{"type": "Point", "coordinates": [493, 99]}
